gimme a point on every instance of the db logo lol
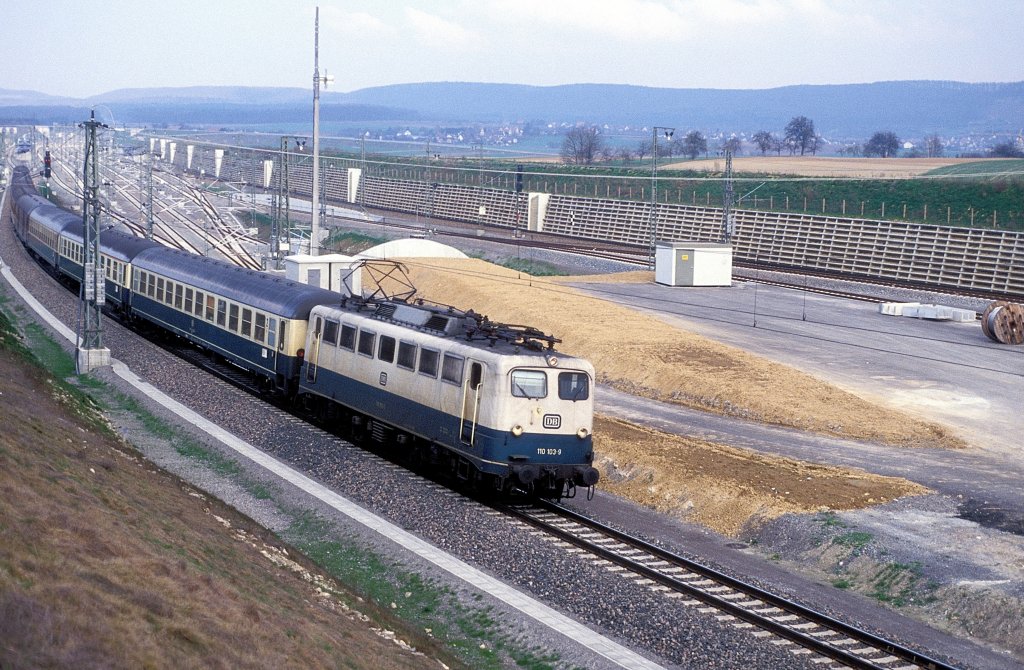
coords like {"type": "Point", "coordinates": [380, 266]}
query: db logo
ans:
{"type": "Point", "coordinates": [552, 421]}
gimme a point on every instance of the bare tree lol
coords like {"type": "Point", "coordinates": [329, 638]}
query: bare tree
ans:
{"type": "Point", "coordinates": [733, 145]}
{"type": "Point", "coordinates": [800, 134]}
{"type": "Point", "coordinates": [694, 144]}
{"type": "Point", "coordinates": [933, 146]}
{"type": "Point", "coordinates": [582, 145]}
{"type": "Point", "coordinates": [642, 150]}
{"type": "Point", "coordinates": [764, 140]}
{"type": "Point", "coordinates": [626, 155]}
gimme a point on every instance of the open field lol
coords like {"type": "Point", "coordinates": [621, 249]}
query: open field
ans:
{"type": "Point", "coordinates": [831, 166]}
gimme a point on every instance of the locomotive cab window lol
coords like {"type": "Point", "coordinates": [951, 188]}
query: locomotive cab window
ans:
{"type": "Point", "coordinates": [330, 332]}
{"type": "Point", "coordinates": [529, 384]}
{"type": "Point", "coordinates": [428, 362]}
{"type": "Point", "coordinates": [386, 350]}
{"type": "Point", "coordinates": [348, 337]}
{"type": "Point", "coordinates": [573, 386]}
{"type": "Point", "coordinates": [451, 369]}
{"type": "Point", "coordinates": [366, 339]}
{"type": "Point", "coordinates": [407, 355]}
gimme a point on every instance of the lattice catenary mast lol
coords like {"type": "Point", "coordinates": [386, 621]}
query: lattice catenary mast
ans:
{"type": "Point", "coordinates": [90, 352]}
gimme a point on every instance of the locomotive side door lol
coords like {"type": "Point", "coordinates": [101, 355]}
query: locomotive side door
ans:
{"type": "Point", "coordinates": [313, 355]}
{"type": "Point", "coordinates": [472, 390]}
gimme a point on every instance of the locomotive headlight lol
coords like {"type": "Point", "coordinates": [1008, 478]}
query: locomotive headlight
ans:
{"type": "Point", "coordinates": [553, 361]}
{"type": "Point", "coordinates": [517, 430]}
{"type": "Point", "coordinates": [582, 433]}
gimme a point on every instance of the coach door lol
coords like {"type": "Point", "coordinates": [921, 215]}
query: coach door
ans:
{"type": "Point", "coordinates": [313, 355]}
{"type": "Point", "coordinates": [472, 388]}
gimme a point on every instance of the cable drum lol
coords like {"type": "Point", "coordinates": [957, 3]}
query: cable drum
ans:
{"type": "Point", "coordinates": [1003, 322]}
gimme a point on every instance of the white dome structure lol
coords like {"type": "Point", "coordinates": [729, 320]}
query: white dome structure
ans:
{"type": "Point", "coordinates": [412, 248]}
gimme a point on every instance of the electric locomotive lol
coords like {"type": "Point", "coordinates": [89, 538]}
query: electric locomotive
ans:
{"type": "Point", "coordinates": [492, 404]}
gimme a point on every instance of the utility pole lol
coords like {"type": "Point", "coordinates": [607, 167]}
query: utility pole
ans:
{"type": "Point", "coordinates": [653, 224]}
{"type": "Point", "coordinates": [314, 232]}
{"type": "Point", "coordinates": [727, 215]}
{"type": "Point", "coordinates": [90, 352]}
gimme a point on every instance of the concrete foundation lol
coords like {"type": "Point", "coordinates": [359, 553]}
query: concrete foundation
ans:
{"type": "Point", "coordinates": [87, 360]}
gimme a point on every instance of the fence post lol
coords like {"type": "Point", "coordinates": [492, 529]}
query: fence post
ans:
{"type": "Point", "coordinates": [904, 210]}
{"type": "Point", "coordinates": [926, 211]}
{"type": "Point", "coordinates": [949, 215]}
{"type": "Point", "coordinates": [883, 210]}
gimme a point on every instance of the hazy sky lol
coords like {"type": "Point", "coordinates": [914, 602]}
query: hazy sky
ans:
{"type": "Point", "coordinates": [85, 47]}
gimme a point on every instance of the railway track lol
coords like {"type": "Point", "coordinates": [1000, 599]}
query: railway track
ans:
{"type": "Point", "coordinates": [694, 584]}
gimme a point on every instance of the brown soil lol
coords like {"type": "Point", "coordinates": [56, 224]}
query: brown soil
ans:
{"type": "Point", "coordinates": [640, 354]}
{"type": "Point", "coordinates": [723, 488]}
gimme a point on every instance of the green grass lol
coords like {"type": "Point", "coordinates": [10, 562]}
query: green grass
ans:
{"type": "Point", "coordinates": [38, 348]}
{"type": "Point", "coordinates": [895, 584]}
{"type": "Point", "coordinates": [351, 243]}
{"type": "Point", "coordinates": [531, 267]}
{"type": "Point", "coordinates": [854, 540]}
{"type": "Point", "coordinates": [981, 168]}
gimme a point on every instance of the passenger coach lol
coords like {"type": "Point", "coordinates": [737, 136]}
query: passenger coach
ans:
{"type": "Point", "coordinates": [252, 319]}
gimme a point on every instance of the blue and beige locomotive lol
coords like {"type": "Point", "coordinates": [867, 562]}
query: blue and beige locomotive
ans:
{"type": "Point", "coordinates": [491, 404]}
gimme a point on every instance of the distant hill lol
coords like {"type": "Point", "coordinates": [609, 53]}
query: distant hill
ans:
{"type": "Point", "coordinates": [908, 108]}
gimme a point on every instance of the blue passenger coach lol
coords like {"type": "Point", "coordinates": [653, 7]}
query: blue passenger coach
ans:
{"type": "Point", "coordinates": [252, 319]}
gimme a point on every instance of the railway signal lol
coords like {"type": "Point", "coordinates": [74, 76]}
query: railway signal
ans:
{"type": "Point", "coordinates": [46, 164]}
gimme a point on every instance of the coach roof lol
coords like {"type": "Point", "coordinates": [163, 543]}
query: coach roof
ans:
{"type": "Point", "coordinates": [260, 290]}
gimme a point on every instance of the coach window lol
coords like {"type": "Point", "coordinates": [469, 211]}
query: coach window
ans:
{"type": "Point", "coordinates": [178, 289]}
{"type": "Point", "coordinates": [200, 301]}
{"type": "Point", "coordinates": [348, 337]}
{"type": "Point", "coordinates": [140, 281]}
{"type": "Point", "coordinates": [160, 289]}
{"type": "Point", "coordinates": [233, 318]}
{"type": "Point", "coordinates": [529, 384]}
{"type": "Point", "coordinates": [428, 362]}
{"type": "Point", "coordinates": [386, 350]}
{"type": "Point", "coordinates": [573, 386]}
{"type": "Point", "coordinates": [407, 355]}
{"type": "Point", "coordinates": [189, 305]}
{"type": "Point", "coordinates": [271, 332]}
{"type": "Point", "coordinates": [366, 339]}
{"type": "Point", "coordinates": [222, 311]}
{"type": "Point", "coordinates": [260, 333]}
{"type": "Point", "coordinates": [331, 332]}
{"type": "Point", "coordinates": [451, 369]}
{"type": "Point", "coordinates": [247, 322]}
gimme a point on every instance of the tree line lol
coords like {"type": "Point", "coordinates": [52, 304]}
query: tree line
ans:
{"type": "Point", "coordinates": [585, 145]}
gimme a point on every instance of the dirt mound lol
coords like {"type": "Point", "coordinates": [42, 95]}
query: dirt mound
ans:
{"type": "Point", "coordinates": [724, 488]}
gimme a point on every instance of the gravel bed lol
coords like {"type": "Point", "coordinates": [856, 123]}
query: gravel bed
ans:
{"type": "Point", "coordinates": [639, 618]}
